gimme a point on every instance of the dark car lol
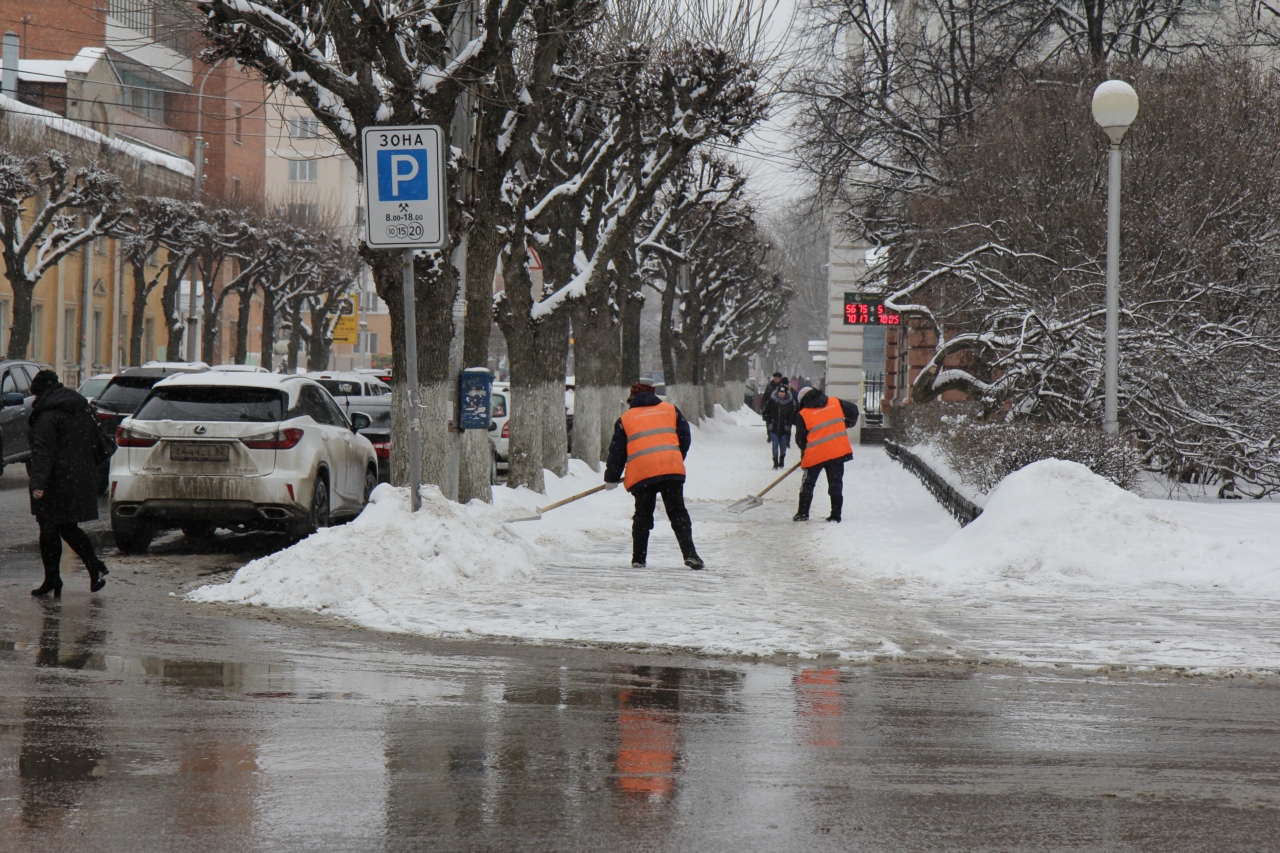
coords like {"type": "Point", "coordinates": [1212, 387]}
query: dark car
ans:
{"type": "Point", "coordinates": [363, 391]}
{"type": "Point", "coordinates": [16, 401]}
{"type": "Point", "coordinates": [122, 397]}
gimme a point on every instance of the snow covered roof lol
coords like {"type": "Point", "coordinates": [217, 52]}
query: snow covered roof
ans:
{"type": "Point", "coordinates": [56, 70]}
{"type": "Point", "coordinates": [71, 128]}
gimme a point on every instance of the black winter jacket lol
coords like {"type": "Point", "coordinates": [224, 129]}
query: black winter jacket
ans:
{"type": "Point", "coordinates": [779, 415]}
{"type": "Point", "coordinates": [816, 400]}
{"type": "Point", "coordinates": [618, 447]}
{"type": "Point", "coordinates": [64, 440]}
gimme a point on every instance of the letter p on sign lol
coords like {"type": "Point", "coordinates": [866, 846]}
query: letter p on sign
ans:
{"type": "Point", "coordinates": [402, 175]}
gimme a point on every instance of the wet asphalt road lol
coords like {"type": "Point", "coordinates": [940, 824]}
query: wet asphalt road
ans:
{"type": "Point", "coordinates": [133, 720]}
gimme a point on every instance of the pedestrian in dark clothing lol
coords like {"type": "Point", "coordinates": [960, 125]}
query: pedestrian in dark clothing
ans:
{"type": "Point", "coordinates": [650, 441]}
{"type": "Point", "coordinates": [64, 449]}
{"type": "Point", "coordinates": [776, 380]}
{"type": "Point", "coordinates": [821, 435]}
{"type": "Point", "coordinates": [779, 413]}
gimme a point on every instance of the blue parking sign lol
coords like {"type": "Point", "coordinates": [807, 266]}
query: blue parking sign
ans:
{"type": "Point", "coordinates": [402, 175]}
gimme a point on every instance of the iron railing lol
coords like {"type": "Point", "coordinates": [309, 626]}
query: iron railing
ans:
{"type": "Point", "coordinates": [963, 509]}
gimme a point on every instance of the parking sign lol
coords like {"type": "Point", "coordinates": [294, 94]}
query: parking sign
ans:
{"type": "Point", "coordinates": [405, 192]}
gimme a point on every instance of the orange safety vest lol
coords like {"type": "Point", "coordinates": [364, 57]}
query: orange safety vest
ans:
{"type": "Point", "coordinates": [653, 447]}
{"type": "Point", "coordinates": [827, 438]}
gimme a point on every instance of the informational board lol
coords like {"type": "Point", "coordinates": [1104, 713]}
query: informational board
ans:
{"type": "Point", "coordinates": [863, 310]}
{"type": "Point", "coordinates": [404, 185]}
{"type": "Point", "coordinates": [346, 329]}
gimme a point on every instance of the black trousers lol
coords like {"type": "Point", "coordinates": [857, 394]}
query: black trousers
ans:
{"type": "Point", "coordinates": [642, 522]}
{"type": "Point", "coordinates": [52, 536]}
{"type": "Point", "coordinates": [835, 479]}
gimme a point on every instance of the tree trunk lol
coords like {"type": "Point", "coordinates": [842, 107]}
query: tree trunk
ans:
{"type": "Point", "coordinates": [209, 329]}
{"type": "Point", "coordinates": [553, 356]}
{"type": "Point", "coordinates": [20, 331]}
{"type": "Point", "coordinates": [172, 316]}
{"type": "Point", "coordinates": [244, 315]}
{"type": "Point", "coordinates": [597, 357]}
{"type": "Point", "coordinates": [138, 319]}
{"type": "Point", "coordinates": [294, 315]}
{"type": "Point", "coordinates": [268, 341]}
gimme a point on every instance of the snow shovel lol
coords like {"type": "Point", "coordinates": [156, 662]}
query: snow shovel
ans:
{"type": "Point", "coordinates": [542, 509]}
{"type": "Point", "coordinates": [753, 501]}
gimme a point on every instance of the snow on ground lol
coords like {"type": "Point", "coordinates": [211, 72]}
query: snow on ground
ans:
{"type": "Point", "coordinates": [1062, 568]}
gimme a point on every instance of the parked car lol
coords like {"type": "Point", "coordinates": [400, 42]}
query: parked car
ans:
{"type": "Point", "coordinates": [16, 401]}
{"type": "Point", "coordinates": [367, 393]}
{"type": "Point", "coordinates": [383, 373]}
{"type": "Point", "coordinates": [500, 426]}
{"type": "Point", "coordinates": [124, 393]}
{"type": "Point", "coordinates": [92, 387]}
{"type": "Point", "coordinates": [240, 451]}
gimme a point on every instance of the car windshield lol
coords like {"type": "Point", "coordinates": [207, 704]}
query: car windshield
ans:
{"type": "Point", "coordinates": [93, 387]}
{"type": "Point", "coordinates": [340, 388]}
{"type": "Point", "coordinates": [125, 392]}
{"type": "Point", "coordinates": [213, 403]}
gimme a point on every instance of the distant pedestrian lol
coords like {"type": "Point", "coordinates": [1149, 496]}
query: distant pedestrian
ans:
{"type": "Point", "coordinates": [779, 413]}
{"type": "Point", "coordinates": [774, 381]}
{"type": "Point", "coordinates": [821, 435]}
{"type": "Point", "coordinates": [650, 441]}
{"type": "Point", "coordinates": [65, 452]}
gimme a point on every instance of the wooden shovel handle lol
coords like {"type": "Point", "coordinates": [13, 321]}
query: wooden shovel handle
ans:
{"type": "Point", "coordinates": [788, 473]}
{"type": "Point", "coordinates": [599, 488]}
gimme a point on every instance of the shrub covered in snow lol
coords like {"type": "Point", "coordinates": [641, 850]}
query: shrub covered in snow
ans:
{"type": "Point", "coordinates": [983, 453]}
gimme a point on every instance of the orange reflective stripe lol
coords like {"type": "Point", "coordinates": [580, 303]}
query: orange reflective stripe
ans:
{"type": "Point", "coordinates": [653, 445]}
{"type": "Point", "coordinates": [827, 438]}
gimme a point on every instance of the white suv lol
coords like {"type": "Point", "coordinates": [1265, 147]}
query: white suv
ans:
{"type": "Point", "coordinates": [500, 426]}
{"type": "Point", "coordinates": [237, 450]}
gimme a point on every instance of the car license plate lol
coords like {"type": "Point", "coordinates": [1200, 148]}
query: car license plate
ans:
{"type": "Point", "coordinates": [199, 452]}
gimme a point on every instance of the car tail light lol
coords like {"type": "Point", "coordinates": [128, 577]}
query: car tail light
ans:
{"type": "Point", "coordinates": [382, 449]}
{"type": "Point", "coordinates": [506, 430]}
{"type": "Point", "coordinates": [104, 416]}
{"type": "Point", "coordinates": [282, 439]}
{"type": "Point", "coordinates": [132, 438]}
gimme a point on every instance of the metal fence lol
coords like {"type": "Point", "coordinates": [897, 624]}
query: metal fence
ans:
{"type": "Point", "coordinates": [963, 509]}
{"type": "Point", "coordinates": [872, 397]}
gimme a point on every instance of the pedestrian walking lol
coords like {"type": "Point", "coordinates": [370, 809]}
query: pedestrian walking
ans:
{"type": "Point", "coordinates": [774, 381]}
{"type": "Point", "coordinates": [824, 446]}
{"type": "Point", "coordinates": [65, 451]}
{"type": "Point", "coordinates": [650, 441]}
{"type": "Point", "coordinates": [779, 413]}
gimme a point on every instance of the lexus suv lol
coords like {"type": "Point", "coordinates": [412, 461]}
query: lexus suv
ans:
{"type": "Point", "coordinates": [239, 451]}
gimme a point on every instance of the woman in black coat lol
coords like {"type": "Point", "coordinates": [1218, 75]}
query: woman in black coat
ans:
{"type": "Point", "coordinates": [64, 448]}
{"type": "Point", "coordinates": [779, 412]}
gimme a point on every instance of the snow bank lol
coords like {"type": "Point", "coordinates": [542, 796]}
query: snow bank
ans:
{"type": "Point", "coordinates": [1057, 523]}
{"type": "Point", "coordinates": [385, 559]}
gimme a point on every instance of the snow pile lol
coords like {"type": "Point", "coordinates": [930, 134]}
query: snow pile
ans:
{"type": "Point", "coordinates": [1057, 523]}
{"type": "Point", "coordinates": [385, 559]}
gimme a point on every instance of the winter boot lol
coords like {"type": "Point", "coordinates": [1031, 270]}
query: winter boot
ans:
{"type": "Point", "coordinates": [97, 576]}
{"type": "Point", "coordinates": [683, 530]}
{"type": "Point", "coordinates": [782, 459]}
{"type": "Point", "coordinates": [836, 505]}
{"type": "Point", "coordinates": [52, 584]}
{"type": "Point", "coordinates": [639, 547]}
{"type": "Point", "coordinates": [694, 562]}
{"type": "Point", "coordinates": [802, 514]}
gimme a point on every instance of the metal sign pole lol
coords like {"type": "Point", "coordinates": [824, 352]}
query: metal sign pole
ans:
{"type": "Point", "coordinates": [411, 379]}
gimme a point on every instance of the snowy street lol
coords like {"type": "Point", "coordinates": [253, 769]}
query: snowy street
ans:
{"type": "Point", "coordinates": [1154, 583]}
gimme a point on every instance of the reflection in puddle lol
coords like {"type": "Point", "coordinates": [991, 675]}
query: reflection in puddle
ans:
{"type": "Point", "coordinates": [820, 704]}
{"type": "Point", "coordinates": [649, 735]}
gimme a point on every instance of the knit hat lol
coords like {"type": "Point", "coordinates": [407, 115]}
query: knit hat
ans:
{"type": "Point", "coordinates": [804, 391]}
{"type": "Point", "coordinates": [43, 381]}
{"type": "Point", "coordinates": [641, 388]}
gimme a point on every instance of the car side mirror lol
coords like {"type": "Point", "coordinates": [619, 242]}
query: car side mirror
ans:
{"type": "Point", "coordinates": [13, 398]}
{"type": "Point", "coordinates": [493, 425]}
{"type": "Point", "coordinates": [359, 421]}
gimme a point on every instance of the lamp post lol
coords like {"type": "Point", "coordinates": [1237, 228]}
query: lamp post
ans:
{"type": "Point", "coordinates": [1115, 106]}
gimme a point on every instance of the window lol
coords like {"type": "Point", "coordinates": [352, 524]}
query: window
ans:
{"type": "Point", "coordinates": [100, 245]}
{"type": "Point", "coordinates": [8, 382]}
{"type": "Point", "coordinates": [237, 124]}
{"type": "Point", "coordinates": [142, 95]}
{"type": "Point", "coordinates": [303, 171]}
{"type": "Point", "coordinates": [304, 127]}
{"type": "Point", "coordinates": [311, 403]}
{"type": "Point", "coordinates": [213, 403]}
{"type": "Point", "coordinates": [135, 14]}
{"type": "Point", "coordinates": [69, 335]}
{"type": "Point", "coordinates": [4, 326]}
{"type": "Point", "coordinates": [340, 387]}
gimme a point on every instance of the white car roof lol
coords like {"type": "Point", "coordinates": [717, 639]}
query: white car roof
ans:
{"type": "Point", "coordinates": [239, 368]}
{"type": "Point", "coordinates": [340, 376]}
{"type": "Point", "coordinates": [242, 380]}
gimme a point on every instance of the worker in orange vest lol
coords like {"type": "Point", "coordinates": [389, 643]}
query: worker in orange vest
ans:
{"type": "Point", "coordinates": [650, 441]}
{"type": "Point", "coordinates": [824, 446]}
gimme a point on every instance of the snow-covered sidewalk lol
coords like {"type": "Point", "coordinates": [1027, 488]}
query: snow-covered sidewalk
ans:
{"type": "Point", "coordinates": [1064, 572]}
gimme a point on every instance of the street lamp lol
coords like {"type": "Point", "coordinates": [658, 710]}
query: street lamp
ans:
{"type": "Point", "coordinates": [1115, 106]}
